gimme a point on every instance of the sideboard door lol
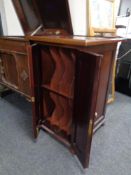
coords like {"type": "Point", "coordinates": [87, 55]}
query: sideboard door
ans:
{"type": "Point", "coordinates": [9, 72]}
{"type": "Point", "coordinates": [33, 61]}
{"type": "Point", "coordinates": [88, 67]}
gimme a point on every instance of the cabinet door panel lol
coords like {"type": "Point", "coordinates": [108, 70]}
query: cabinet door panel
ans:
{"type": "Point", "coordinates": [86, 88]}
{"type": "Point", "coordinates": [9, 72]}
{"type": "Point", "coordinates": [23, 73]}
{"type": "Point", "coordinates": [34, 71]}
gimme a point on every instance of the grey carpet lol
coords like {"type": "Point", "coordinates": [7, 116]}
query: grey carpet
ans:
{"type": "Point", "coordinates": [20, 155]}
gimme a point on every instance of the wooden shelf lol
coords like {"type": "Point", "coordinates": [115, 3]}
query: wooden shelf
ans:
{"type": "Point", "coordinates": [47, 87]}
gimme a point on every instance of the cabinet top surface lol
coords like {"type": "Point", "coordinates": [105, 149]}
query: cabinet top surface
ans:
{"type": "Point", "coordinates": [13, 38]}
{"type": "Point", "coordinates": [76, 40]}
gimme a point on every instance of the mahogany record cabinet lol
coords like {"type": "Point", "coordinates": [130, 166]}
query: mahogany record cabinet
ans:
{"type": "Point", "coordinates": [65, 77]}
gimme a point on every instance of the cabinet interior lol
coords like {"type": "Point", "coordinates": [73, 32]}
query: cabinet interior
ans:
{"type": "Point", "coordinates": [56, 80]}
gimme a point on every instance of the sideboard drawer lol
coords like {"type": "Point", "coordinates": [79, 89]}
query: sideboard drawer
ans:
{"type": "Point", "coordinates": [13, 46]}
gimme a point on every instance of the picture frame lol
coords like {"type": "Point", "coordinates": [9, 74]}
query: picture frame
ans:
{"type": "Point", "coordinates": [101, 17]}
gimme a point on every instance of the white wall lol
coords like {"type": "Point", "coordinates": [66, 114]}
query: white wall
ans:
{"type": "Point", "coordinates": [13, 24]}
{"type": "Point", "coordinates": [78, 16]}
{"type": "Point", "coordinates": [3, 18]}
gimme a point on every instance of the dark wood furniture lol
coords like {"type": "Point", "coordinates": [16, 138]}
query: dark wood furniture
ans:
{"type": "Point", "coordinates": [65, 76]}
{"type": "Point", "coordinates": [3, 89]}
{"type": "Point", "coordinates": [14, 65]}
{"type": "Point", "coordinates": [74, 74]}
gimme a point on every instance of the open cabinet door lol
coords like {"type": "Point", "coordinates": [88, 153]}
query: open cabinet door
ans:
{"type": "Point", "coordinates": [86, 90]}
{"type": "Point", "coordinates": [33, 61]}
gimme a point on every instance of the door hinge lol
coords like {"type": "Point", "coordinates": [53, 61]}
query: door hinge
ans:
{"type": "Point", "coordinates": [90, 127]}
{"type": "Point", "coordinates": [96, 114]}
{"type": "Point", "coordinates": [37, 130]}
{"type": "Point", "coordinates": [38, 127]}
{"type": "Point", "coordinates": [32, 99]}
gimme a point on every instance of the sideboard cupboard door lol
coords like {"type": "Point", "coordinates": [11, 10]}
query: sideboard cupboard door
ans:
{"type": "Point", "coordinates": [33, 61]}
{"type": "Point", "coordinates": [23, 73]}
{"type": "Point", "coordinates": [88, 67]}
{"type": "Point", "coordinates": [9, 70]}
